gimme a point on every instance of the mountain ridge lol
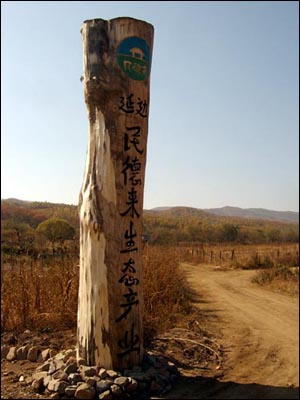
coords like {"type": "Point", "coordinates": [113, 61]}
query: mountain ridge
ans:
{"type": "Point", "coordinates": [230, 211]}
{"type": "Point", "coordinates": [182, 211]}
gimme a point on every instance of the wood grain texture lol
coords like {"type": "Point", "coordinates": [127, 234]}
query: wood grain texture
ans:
{"type": "Point", "coordinates": [116, 88]}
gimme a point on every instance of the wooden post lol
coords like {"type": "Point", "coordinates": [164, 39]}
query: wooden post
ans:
{"type": "Point", "coordinates": [116, 77]}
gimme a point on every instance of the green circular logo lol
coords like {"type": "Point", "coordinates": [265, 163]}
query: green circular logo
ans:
{"type": "Point", "coordinates": [133, 57]}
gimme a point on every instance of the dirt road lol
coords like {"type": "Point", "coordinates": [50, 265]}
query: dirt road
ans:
{"type": "Point", "coordinates": [257, 328]}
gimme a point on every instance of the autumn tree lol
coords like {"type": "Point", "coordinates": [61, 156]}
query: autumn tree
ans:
{"type": "Point", "coordinates": [56, 230]}
{"type": "Point", "coordinates": [17, 237]}
{"type": "Point", "coordinates": [229, 232]}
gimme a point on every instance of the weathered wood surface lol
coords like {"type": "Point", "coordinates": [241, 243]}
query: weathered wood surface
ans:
{"type": "Point", "coordinates": [116, 77]}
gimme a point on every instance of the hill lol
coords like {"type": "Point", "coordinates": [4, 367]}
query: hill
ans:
{"type": "Point", "coordinates": [164, 225]}
{"type": "Point", "coordinates": [257, 213]}
{"type": "Point", "coordinates": [228, 211]}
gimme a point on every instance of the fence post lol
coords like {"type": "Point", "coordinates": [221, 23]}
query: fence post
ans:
{"type": "Point", "coordinates": [116, 78]}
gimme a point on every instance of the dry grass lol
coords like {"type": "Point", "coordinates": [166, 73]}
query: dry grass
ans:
{"type": "Point", "coordinates": [280, 278]}
{"type": "Point", "coordinates": [42, 294]}
{"type": "Point", "coordinates": [240, 256]}
{"type": "Point", "coordinates": [277, 265]}
{"type": "Point", "coordinates": [39, 294]}
{"type": "Point", "coordinates": [166, 294]}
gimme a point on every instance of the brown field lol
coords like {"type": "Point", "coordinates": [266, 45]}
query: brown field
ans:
{"type": "Point", "coordinates": [190, 293]}
{"type": "Point", "coordinates": [43, 293]}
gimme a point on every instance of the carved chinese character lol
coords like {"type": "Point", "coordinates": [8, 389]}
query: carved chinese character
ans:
{"type": "Point", "coordinates": [130, 343]}
{"type": "Point", "coordinates": [132, 200]}
{"type": "Point", "coordinates": [130, 243]}
{"type": "Point", "coordinates": [128, 105]}
{"type": "Point", "coordinates": [134, 140]}
{"type": "Point", "coordinates": [131, 301]}
{"type": "Point", "coordinates": [128, 266]}
{"type": "Point", "coordinates": [142, 109]}
{"type": "Point", "coordinates": [133, 166]}
{"type": "Point", "coordinates": [129, 280]}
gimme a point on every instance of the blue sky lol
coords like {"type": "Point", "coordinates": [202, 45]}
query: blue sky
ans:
{"type": "Point", "coordinates": [224, 102]}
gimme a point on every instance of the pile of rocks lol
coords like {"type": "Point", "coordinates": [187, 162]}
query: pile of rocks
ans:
{"type": "Point", "coordinates": [63, 375]}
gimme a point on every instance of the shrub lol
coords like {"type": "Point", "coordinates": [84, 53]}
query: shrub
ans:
{"type": "Point", "coordinates": [257, 262]}
{"type": "Point", "coordinates": [44, 293]}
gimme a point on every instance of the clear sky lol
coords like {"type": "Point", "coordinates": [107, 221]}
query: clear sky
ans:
{"type": "Point", "coordinates": [224, 101]}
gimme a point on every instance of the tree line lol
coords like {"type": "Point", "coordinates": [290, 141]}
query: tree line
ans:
{"type": "Point", "coordinates": [34, 227]}
{"type": "Point", "coordinates": [218, 230]}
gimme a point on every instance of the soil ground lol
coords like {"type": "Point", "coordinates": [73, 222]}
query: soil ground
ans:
{"type": "Point", "coordinates": [242, 344]}
{"type": "Point", "coordinates": [258, 330]}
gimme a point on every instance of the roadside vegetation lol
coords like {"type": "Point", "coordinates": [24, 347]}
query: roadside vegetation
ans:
{"type": "Point", "coordinates": [42, 294]}
{"type": "Point", "coordinates": [280, 278]}
{"type": "Point", "coordinates": [40, 262]}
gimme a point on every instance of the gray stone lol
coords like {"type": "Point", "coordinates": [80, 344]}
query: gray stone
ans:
{"type": "Point", "coordinates": [60, 356]}
{"type": "Point", "coordinates": [121, 381]}
{"type": "Point", "coordinates": [4, 351]}
{"type": "Point", "coordinates": [12, 354]}
{"type": "Point", "coordinates": [54, 396]}
{"type": "Point", "coordinates": [56, 365]}
{"type": "Point", "coordinates": [22, 352]}
{"type": "Point", "coordinates": [81, 361]}
{"type": "Point", "coordinates": [88, 371]}
{"type": "Point", "coordinates": [33, 353]}
{"type": "Point", "coordinates": [132, 385]}
{"type": "Point", "coordinates": [69, 353]}
{"type": "Point", "coordinates": [28, 380]}
{"type": "Point", "coordinates": [116, 390]}
{"type": "Point", "coordinates": [74, 378]}
{"type": "Point", "coordinates": [105, 395]}
{"type": "Point", "coordinates": [103, 385]}
{"type": "Point", "coordinates": [43, 356]}
{"type": "Point", "coordinates": [71, 360]}
{"type": "Point", "coordinates": [52, 353]}
{"type": "Point", "coordinates": [102, 373]}
{"type": "Point", "coordinates": [37, 386]}
{"type": "Point", "coordinates": [112, 374]}
{"type": "Point", "coordinates": [85, 391]}
{"type": "Point", "coordinates": [51, 385]}
{"type": "Point", "coordinates": [70, 390]}
{"type": "Point", "coordinates": [46, 380]}
{"type": "Point", "coordinates": [52, 367]}
{"type": "Point", "coordinates": [60, 364]}
{"type": "Point", "coordinates": [61, 375]}
{"type": "Point", "coordinates": [60, 387]}
{"type": "Point", "coordinates": [44, 367]}
{"type": "Point", "coordinates": [90, 381]}
{"type": "Point", "coordinates": [71, 368]}
{"type": "Point", "coordinates": [39, 375]}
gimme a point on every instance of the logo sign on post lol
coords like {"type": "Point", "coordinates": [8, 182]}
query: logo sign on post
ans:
{"type": "Point", "coordinates": [133, 57]}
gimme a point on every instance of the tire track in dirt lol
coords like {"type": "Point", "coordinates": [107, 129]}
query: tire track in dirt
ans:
{"type": "Point", "coordinates": [258, 330]}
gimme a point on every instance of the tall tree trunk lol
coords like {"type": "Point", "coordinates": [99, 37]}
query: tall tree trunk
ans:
{"type": "Point", "coordinates": [117, 61]}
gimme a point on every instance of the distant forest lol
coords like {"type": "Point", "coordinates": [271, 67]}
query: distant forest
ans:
{"type": "Point", "coordinates": [32, 227]}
